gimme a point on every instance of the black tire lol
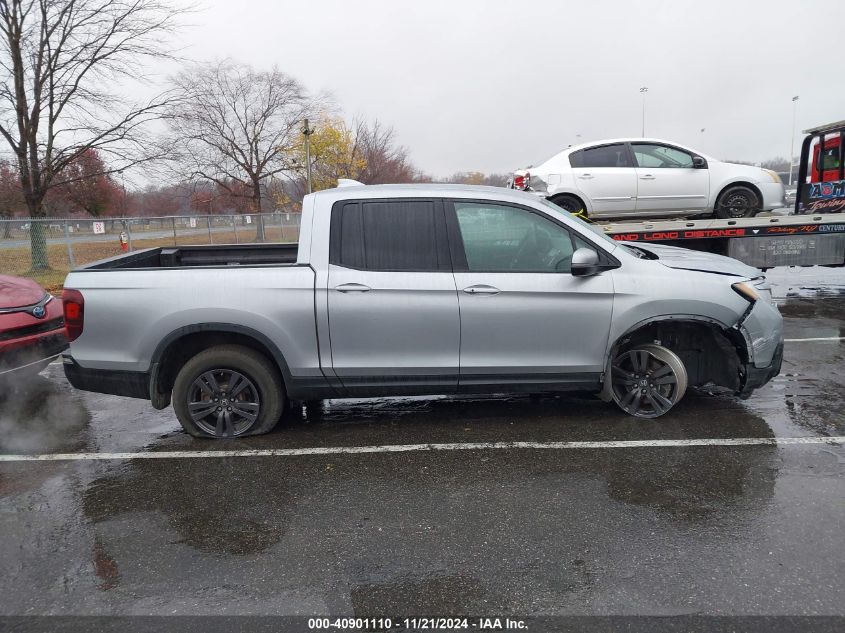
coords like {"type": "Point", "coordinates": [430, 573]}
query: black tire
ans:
{"type": "Point", "coordinates": [570, 204]}
{"type": "Point", "coordinates": [737, 202]}
{"type": "Point", "coordinates": [256, 406]}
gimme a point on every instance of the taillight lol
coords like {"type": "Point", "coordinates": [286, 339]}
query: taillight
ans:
{"type": "Point", "coordinates": [74, 306]}
{"type": "Point", "coordinates": [521, 182]}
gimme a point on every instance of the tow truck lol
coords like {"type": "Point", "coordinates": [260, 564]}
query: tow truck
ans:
{"type": "Point", "coordinates": [814, 235]}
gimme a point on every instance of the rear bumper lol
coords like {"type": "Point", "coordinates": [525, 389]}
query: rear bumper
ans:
{"type": "Point", "coordinates": [131, 384]}
{"type": "Point", "coordinates": [22, 356]}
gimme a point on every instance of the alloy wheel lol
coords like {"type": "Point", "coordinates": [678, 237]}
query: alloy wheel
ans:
{"type": "Point", "coordinates": [648, 381]}
{"type": "Point", "coordinates": [223, 403]}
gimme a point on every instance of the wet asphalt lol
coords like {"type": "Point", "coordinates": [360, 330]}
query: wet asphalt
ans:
{"type": "Point", "coordinates": [720, 530]}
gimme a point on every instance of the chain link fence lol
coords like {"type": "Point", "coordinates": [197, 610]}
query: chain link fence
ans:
{"type": "Point", "coordinates": [46, 249]}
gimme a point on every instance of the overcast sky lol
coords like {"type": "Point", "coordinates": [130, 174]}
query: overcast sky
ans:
{"type": "Point", "coordinates": [493, 86]}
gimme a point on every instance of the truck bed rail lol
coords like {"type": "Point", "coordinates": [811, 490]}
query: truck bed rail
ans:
{"type": "Point", "coordinates": [203, 255]}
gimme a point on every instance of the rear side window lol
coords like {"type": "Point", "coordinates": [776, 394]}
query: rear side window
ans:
{"type": "Point", "coordinates": [389, 235]}
{"type": "Point", "coordinates": [605, 156]}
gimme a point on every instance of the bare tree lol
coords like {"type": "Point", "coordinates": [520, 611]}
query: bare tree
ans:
{"type": "Point", "coordinates": [477, 178]}
{"type": "Point", "coordinates": [11, 197]}
{"type": "Point", "coordinates": [385, 161]}
{"type": "Point", "coordinates": [61, 61]}
{"type": "Point", "coordinates": [776, 164]}
{"type": "Point", "coordinates": [235, 126]}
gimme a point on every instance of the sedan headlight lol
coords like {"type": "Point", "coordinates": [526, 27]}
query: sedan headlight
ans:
{"type": "Point", "coordinates": [773, 175]}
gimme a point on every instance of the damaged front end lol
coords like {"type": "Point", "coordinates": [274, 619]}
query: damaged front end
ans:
{"type": "Point", "coordinates": [761, 330]}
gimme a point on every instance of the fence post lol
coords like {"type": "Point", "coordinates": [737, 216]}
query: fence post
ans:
{"type": "Point", "coordinates": [128, 225]}
{"type": "Point", "coordinates": [208, 220]}
{"type": "Point", "coordinates": [235, 227]}
{"type": "Point", "coordinates": [263, 229]}
{"type": "Point", "coordinates": [69, 248]}
{"type": "Point", "coordinates": [173, 222]}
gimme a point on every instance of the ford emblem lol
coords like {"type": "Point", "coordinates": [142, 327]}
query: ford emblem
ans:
{"type": "Point", "coordinates": [38, 312]}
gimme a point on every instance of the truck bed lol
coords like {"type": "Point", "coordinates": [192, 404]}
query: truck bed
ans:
{"type": "Point", "coordinates": [198, 256]}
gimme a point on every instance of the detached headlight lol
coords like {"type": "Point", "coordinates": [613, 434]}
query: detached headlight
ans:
{"type": "Point", "coordinates": [773, 175]}
{"type": "Point", "coordinates": [747, 292]}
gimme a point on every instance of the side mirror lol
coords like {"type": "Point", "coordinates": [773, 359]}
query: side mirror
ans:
{"type": "Point", "coordinates": [585, 262]}
{"type": "Point", "coordinates": [699, 163]}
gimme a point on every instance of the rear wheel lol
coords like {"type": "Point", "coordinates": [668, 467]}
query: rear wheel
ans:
{"type": "Point", "coordinates": [571, 204]}
{"type": "Point", "coordinates": [737, 202]}
{"type": "Point", "coordinates": [228, 391]}
{"type": "Point", "coordinates": [648, 380]}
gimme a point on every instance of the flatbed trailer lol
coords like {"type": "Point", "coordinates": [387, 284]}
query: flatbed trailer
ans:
{"type": "Point", "coordinates": [764, 242]}
{"type": "Point", "coordinates": [807, 238]}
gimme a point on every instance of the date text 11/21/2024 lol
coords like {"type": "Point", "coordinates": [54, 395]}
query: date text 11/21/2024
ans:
{"type": "Point", "coordinates": [417, 623]}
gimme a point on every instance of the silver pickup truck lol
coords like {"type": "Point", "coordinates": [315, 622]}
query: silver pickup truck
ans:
{"type": "Point", "coordinates": [416, 289]}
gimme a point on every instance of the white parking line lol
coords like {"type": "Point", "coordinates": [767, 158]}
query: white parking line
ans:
{"type": "Point", "coordinates": [821, 338]}
{"type": "Point", "coordinates": [409, 448]}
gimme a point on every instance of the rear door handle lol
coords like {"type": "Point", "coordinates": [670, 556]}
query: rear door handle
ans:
{"type": "Point", "coordinates": [352, 288]}
{"type": "Point", "coordinates": [647, 177]}
{"type": "Point", "coordinates": [586, 176]}
{"type": "Point", "coordinates": [481, 290]}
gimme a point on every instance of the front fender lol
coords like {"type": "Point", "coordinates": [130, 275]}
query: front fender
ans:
{"type": "Point", "coordinates": [735, 334]}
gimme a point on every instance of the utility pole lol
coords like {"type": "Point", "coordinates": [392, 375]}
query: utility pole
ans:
{"type": "Point", "coordinates": [792, 138]}
{"type": "Point", "coordinates": [307, 132]}
{"type": "Point", "coordinates": [643, 92]}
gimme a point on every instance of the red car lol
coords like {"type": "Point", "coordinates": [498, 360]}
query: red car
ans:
{"type": "Point", "coordinates": [32, 329]}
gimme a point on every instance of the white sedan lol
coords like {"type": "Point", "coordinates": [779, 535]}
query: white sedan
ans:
{"type": "Point", "coordinates": [647, 178]}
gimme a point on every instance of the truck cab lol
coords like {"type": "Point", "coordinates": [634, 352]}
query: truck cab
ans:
{"type": "Point", "coordinates": [821, 181]}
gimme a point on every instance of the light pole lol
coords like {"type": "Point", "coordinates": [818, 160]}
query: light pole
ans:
{"type": "Point", "coordinates": [643, 92]}
{"type": "Point", "coordinates": [792, 137]}
{"type": "Point", "coordinates": [307, 132]}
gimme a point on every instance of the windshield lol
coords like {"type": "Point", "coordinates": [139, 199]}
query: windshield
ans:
{"type": "Point", "coordinates": [590, 227]}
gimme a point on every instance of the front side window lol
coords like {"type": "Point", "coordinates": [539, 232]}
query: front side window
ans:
{"type": "Point", "coordinates": [604, 156]}
{"type": "Point", "coordinates": [389, 235]}
{"type": "Point", "coordinates": [595, 229]}
{"type": "Point", "coordinates": [661, 156]}
{"type": "Point", "coordinates": [500, 238]}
